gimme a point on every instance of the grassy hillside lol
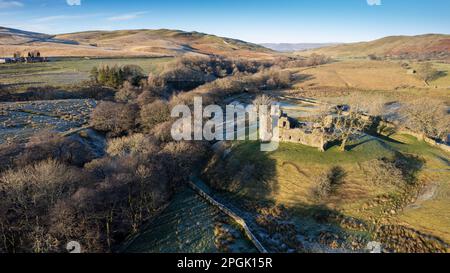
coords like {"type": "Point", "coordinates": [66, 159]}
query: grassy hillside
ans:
{"type": "Point", "coordinates": [161, 42]}
{"type": "Point", "coordinates": [395, 46]}
{"type": "Point", "coordinates": [290, 177]}
{"type": "Point", "coordinates": [287, 47]}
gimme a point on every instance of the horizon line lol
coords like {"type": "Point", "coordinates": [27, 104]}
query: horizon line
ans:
{"type": "Point", "coordinates": [217, 35]}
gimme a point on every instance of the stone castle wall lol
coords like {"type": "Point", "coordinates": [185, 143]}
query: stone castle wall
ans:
{"type": "Point", "coordinates": [386, 126]}
{"type": "Point", "coordinates": [302, 136]}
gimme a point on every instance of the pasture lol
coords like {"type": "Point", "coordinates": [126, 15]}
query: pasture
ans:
{"type": "Point", "coordinates": [290, 177]}
{"type": "Point", "coordinates": [63, 72]}
{"type": "Point", "coordinates": [357, 75]}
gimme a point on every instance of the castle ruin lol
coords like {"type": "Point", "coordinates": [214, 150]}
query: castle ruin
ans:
{"type": "Point", "coordinates": [303, 133]}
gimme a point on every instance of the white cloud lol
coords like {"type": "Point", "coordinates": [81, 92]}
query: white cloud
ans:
{"type": "Point", "coordinates": [127, 16]}
{"type": "Point", "coordinates": [58, 17]}
{"type": "Point", "coordinates": [73, 2]}
{"type": "Point", "coordinates": [374, 2]}
{"type": "Point", "coordinates": [10, 4]}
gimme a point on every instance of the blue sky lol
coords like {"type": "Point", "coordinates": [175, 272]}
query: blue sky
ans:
{"type": "Point", "coordinates": [251, 20]}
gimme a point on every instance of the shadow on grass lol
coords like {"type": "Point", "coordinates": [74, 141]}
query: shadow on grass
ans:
{"type": "Point", "coordinates": [14, 85]}
{"type": "Point", "coordinates": [298, 227]}
{"type": "Point", "coordinates": [246, 171]}
{"type": "Point", "coordinates": [245, 181]}
{"type": "Point", "coordinates": [409, 165]}
{"type": "Point", "coordinates": [440, 74]}
{"type": "Point", "coordinates": [359, 142]}
{"type": "Point", "coordinates": [370, 138]}
{"type": "Point", "coordinates": [303, 77]}
{"type": "Point", "coordinates": [329, 228]}
{"type": "Point", "coordinates": [303, 228]}
{"type": "Point", "coordinates": [445, 160]}
{"type": "Point", "coordinates": [388, 139]}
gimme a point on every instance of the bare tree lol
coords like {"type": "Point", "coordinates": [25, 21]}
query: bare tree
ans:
{"type": "Point", "coordinates": [383, 172]}
{"type": "Point", "coordinates": [115, 118]}
{"type": "Point", "coordinates": [328, 182]}
{"type": "Point", "coordinates": [130, 145]}
{"type": "Point", "coordinates": [348, 125]}
{"type": "Point", "coordinates": [153, 114]}
{"type": "Point", "coordinates": [263, 100]}
{"type": "Point", "coordinates": [128, 93]}
{"type": "Point", "coordinates": [429, 117]}
{"type": "Point", "coordinates": [372, 104]}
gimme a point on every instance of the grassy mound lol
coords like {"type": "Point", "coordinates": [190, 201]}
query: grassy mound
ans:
{"type": "Point", "coordinates": [287, 175]}
{"type": "Point", "coordinates": [405, 169]}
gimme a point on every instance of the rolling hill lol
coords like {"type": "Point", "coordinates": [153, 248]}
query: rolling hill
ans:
{"type": "Point", "coordinates": [289, 47]}
{"type": "Point", "coordinates": [434, 46]}
{"type": "Point", "coordinates": [161, 42]}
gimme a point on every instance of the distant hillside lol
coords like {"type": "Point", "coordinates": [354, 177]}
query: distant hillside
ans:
{"type": "Point", "coordinates": [127, 43]}
{"type": "Point", "coordinates": [434, 46]}
{"type": "Point", "coordinates": [288, 47]}
{"type": "Point", "coordinates": [10, 36]}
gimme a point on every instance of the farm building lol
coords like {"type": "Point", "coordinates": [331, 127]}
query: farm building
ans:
{"type": "Point", "coordinates": [5, 60]}
{"type": "Point", "coordinates": [27, 57]}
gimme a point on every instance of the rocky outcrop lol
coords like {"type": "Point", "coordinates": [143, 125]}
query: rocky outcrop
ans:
{"type": "Point", "coordinates": [401, 239]}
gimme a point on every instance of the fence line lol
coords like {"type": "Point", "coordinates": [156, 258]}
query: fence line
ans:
{"type": "Point", "coordinates": [239, 220]}
{"type": "Point", "coordinates": [418, 136]}
{"type": "Point", "coordinates": [74, 131]}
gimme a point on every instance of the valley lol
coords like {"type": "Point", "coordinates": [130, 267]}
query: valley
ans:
{"type": "Point", "coordinates": [97, 116]}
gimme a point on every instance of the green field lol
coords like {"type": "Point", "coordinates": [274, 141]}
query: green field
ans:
{"type": "Point", "coordinates": [66, 71]}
